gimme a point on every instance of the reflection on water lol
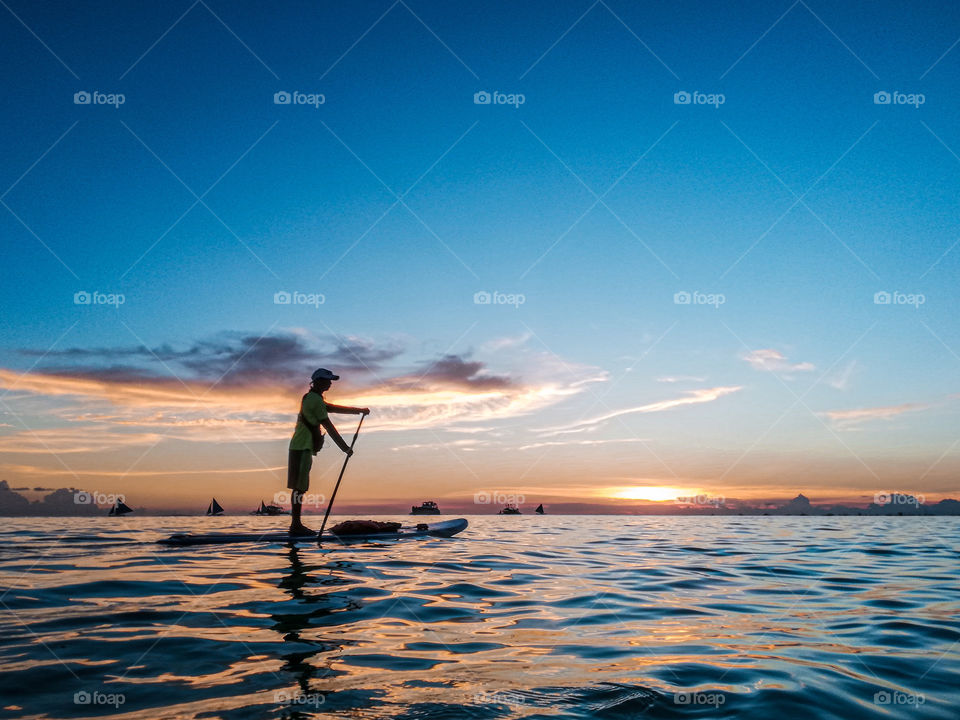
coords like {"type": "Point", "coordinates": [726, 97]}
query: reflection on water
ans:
{"type": "Point", "coordinates": [529, 617]}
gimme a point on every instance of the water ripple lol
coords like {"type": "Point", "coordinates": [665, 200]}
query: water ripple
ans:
{"type": "Point", "coordinates": [557, 617]}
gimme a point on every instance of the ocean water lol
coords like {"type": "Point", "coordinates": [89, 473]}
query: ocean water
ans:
{"type": "Point", "coordinates": [518, 617]}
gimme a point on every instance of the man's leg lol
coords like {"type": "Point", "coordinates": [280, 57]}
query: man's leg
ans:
{"type": "Point", "coordinates": [300, 486]}
{"type": "Point", "coordinates": [296, 504]}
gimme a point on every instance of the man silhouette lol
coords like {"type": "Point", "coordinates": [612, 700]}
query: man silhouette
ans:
{"type": "Point", "coordinates": [308, 439]}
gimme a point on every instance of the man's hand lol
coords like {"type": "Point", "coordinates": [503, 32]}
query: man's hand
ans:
{"type": "Point", "coordinates": [348, 451]}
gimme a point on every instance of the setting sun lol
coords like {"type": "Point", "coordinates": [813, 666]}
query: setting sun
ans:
{"type": "Point", "coordinates": [656, 493]}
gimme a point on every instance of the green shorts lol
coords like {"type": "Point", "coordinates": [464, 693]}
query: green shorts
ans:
{"type": "Point", "coordinates": [299, 463]}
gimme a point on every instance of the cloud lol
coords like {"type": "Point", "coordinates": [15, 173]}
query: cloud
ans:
{"type": "Point", "coordinates": [504, 343]}
{"type": "Point", "coordinates": [850, 418]}
{"type": "Point", "coordinates": [680, 378]}
{"type": "Point", "coordinates": [35, 470]}
{"type": "Point", "coordinates": [470, 430]}
{"type": "Point", "coordinates": [454, 371]}
{"type": "Point", "coordinates": [551, 443]}
{"type": "Point", "coordinates": [431, 404]}
{"type": "Point", "coordinates": [693, 397]}
{"type": "Point", "coordinates": [462, 444]}
{"type": "Point", "coordinates": [109, 399]}
{"type": "Point", "coordinates": [71, 440]}
{"type": "Point", "coordinates": [841, 380]}
{"type": "Point", "coordinates": [769, 360]}
{"type": "Point", "coordinates": [229, 358]}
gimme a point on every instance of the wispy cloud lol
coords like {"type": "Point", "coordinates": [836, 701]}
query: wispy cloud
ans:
{"type": "Point", "coordinates": [680, 378]}
{"type": "Point", "coordinates": [507, 342]}
{"type": "Point", "coordinates": [60, 472]}
{"type": "Point", "coordinates": [72, 440]}
{"type": "Point", "coordinates": [769, 360]}
{"type": "Point", "coordinates": [850, 418]}
{"type": "Point", "coordinates": [841, 379]}
{"type": "Point", "coordinates": [551, 443]}
{"type": "Point", "coordinates": [474, 429]}
{"type": "Point", "coordinates": [462, 444]}
{"type": "Point", "coordinates": [692, 397]}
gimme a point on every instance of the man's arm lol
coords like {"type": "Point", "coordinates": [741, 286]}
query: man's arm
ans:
{"type": "Point", "coordinates": [332, 432]}
{"type": "Point", "coordinates": [346, 410]}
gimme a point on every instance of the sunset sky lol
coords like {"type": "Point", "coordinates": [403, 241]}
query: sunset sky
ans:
{"type": "Point", "coordinates": [787, 212]}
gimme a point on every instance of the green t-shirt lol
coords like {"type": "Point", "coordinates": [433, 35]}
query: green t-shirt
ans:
{"type": "Point", "coordinates": [315, 411]}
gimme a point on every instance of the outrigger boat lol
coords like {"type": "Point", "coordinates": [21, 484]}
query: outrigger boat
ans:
{"type": "Point", "coordinates": [427, 508]}
{"type": "Point", "coordinates": [265, 509]}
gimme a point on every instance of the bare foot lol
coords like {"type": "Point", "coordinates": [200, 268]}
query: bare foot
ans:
{"type": "Point", "coordinates": [301, 529]}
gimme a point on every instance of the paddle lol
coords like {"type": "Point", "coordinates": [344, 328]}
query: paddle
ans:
{"type": "Point", "coordinates": [337, 486]}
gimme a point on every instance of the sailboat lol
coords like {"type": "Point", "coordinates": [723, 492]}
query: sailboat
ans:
{"type": "Point", "coordinates": [119, 508]}
{"type": "Point", "coordinates": [214, 508]}
{"type": "Point", "coordinates": [539, 510]}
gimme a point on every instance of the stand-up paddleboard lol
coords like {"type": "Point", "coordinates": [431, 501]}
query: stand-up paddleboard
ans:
{"type": "Point", "coordinates": [447, 528]}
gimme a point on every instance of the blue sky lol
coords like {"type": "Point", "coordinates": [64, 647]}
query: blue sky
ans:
{"type": "Point", "coordinates": [598, 199]}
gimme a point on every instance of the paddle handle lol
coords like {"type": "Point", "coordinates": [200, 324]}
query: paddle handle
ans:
{"type": "Point", "coordinates": [337, 486]}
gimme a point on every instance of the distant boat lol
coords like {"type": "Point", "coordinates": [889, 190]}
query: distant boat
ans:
{"type": "Point", "coordinates": [427, 508]}
{"type": "Point", "coordinates": [539, 510]}
{"type": "Point", "coordinates": [265, 509]}
{"type": "Point", "coordinates": [510, 510]}
{"type": "Point", "coordinates": [214, 508]}
{"type": "Point", "coordinates": [119, 508]}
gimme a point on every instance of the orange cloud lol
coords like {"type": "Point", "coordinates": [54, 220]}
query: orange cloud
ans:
{"type": "Point", "coordinates": [59, 472]}
{"type": "Point", "coordinates": [71, 440]}
{"type": "Point", "coordinates": [448, 392]}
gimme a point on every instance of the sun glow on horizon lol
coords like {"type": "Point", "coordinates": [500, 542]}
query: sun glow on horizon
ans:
{"type": "Point", "coordinates": [654, 493]}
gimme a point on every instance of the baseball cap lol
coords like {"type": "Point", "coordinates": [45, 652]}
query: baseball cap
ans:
{"type": "Point", "coordinates": [323, 374]}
